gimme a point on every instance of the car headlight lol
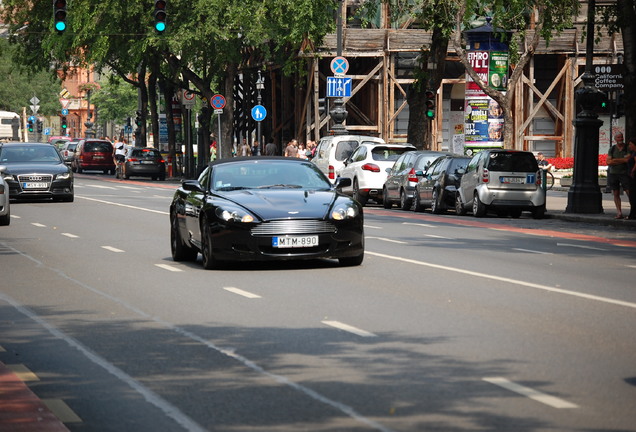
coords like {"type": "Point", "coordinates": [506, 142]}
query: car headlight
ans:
{"type": "Point", "coordinates": [344, 211]}
{"type": "Point", "coordinates": [234, 214]}
{"type": "Point", "coordinates": [7, 176]}
{"type": "Point", "coordinates": [63, 176]}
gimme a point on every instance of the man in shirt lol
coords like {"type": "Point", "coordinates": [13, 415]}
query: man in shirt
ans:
{"type": "Point", "coordinates": [617, 175]}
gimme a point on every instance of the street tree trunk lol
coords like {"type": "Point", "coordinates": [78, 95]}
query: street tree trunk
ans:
{"type": "Point", "coordinates": [627, 23]}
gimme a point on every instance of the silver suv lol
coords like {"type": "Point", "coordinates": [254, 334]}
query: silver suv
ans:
{"type": "Point", "coordinates": [507, 181]}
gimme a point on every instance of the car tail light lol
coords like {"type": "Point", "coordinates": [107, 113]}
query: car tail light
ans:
{"type": "Point", "coordinates": [332, 172]}
{"type": "Point", "coordinates": [412, 176]}
{"type": "Point", "coordinates": [538, 175]}
{"type": "Point", "coordinates": [162, 161]}
{"type": "Point", "coordinates": [370, 167]}
{"type": "Point", "coordinates": [133, 160]}
{"type": "Point", "coordinates": [485, 176]}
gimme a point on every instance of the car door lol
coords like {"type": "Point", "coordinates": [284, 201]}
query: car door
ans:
{"type": "Point", "coordinates": [194, 203]}
{"type": "Point", "coordinates": [395, 176]}
{"type": "Point", "coordinates": [470, 179]}
{"type": "Point", "coordinates": [430, 177]}
{"type": "Point", "coordinates": [353, 163]}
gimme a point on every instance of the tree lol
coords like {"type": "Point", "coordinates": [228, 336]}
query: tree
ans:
{"type": "Point", "coordinates": [546, 17]}
{"type": "Point", "coordinates": [115, 99]}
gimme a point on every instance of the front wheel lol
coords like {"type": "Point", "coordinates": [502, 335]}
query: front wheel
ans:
{"type": "Point", "coordinates": [405, 202]}
{"type": "Point", "coordinates": [180, 252]}
{"type": "Point", "coordinates": [386, 202]}
{"type": "Point", "coordinates": [209, 262]}
{"type": "Point", "coordinates": [459, 205]}
{"type": "Point", "coordinates": [417, 203]}
{"type": "Point", "coordinates": [436, 202]}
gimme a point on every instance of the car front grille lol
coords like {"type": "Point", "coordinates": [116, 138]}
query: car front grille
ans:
{"type": "Point", "coordinates": [287, 227]}
{"type": "Point", "coordinates": [38, 178]}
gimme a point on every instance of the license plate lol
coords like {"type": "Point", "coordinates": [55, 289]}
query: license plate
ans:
{"type": "Point", "coordinates": [516, 180]}
{"type": "Point", "coordinates": [147, 162]}
{"type": "Point", "coordinates": [98, 157]}
{"type": "Point", "coordinates": [33, 185]}
{"type": "Point", "coordinates": [294, 241]}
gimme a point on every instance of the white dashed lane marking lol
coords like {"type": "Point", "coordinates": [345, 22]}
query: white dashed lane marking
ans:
{"type": "Point", "coordinates": [533, 394]}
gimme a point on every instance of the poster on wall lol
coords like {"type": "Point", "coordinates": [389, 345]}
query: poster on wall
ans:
{"type": "Point", "coordinates": [483, 123]}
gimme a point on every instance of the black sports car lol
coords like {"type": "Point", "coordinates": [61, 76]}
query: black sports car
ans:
{"type": "Point", "coordinates": [36, 170]}
{"type": "Point", "coordinates": [264, 208]}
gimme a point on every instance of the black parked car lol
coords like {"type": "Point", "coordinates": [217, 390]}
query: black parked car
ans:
{"type": "Point", "coordinates": [265, 209]}
{"type": "Point", "coordinates": [144, 162]}
{"type": "Point", "coordinates": [403, 176]}
{"type": "Point", "coordinates": [36, 170]}
{"type": "Point", "coordinates": [438, 186]}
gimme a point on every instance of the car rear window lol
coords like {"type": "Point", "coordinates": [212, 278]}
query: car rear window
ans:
{"type": "Point", "coordinates": [508, 161]}
{"type": "Point", "coordinates": [97, 146]}
{"type": "Point", "coordinates": [344, 149]}
{"type": "Point", "coordinates": [146, 154]}
{"type": "Point", "coordinates": [458, 163]}
{"type": "Point", "coordinates": [388, 153]}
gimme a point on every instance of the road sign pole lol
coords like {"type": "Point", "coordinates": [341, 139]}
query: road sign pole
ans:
{"type": "Point", "coordinates": [218, 139]}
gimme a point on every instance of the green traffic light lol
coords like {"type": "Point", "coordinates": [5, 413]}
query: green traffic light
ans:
{"type": "Point", "coordinates": [160, 26]}
{"type": "Point", "coordinates": [60, 26]}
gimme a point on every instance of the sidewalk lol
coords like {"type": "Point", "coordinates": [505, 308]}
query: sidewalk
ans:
{"type": "Point", "coordinates": [21, 409]}
{"type": "Point", "coordinates": [557, 201]}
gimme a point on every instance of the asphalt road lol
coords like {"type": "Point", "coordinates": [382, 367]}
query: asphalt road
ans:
{"type": "Point", "coordinates": [450, 324]}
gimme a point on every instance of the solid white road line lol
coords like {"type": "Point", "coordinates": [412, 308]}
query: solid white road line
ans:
{"type": "Point", "coordinates": [532, 251]}
{"type": "Point", "coordinates": [507, 280]}
{"type": "Point", "coordinates": [533, 394]}
{"type": "Point", "coordinates": [437, 237]}
{"type": "Point", "coordinates": [69, 235]}
{"type": "Point", "coordinates": [581, 246]}
{"type": "Point", "coordinates": [169, 267]}
{"type": "Point", "coordinates": [122, 205]}
{"type": "Point", "coordinates": [419, 224]}
{"type": "Point", "coordinates": [241, 292]}
{"type": "Point", "coordinates": [372, 227]}
{"type": "Point", "coordinates": [348, 328]}
{"type": "Point", "coordinates": [386, 240]}
{"type": "Point", "coordinates": [101, 187]}
{"type": "Point", "coordinates": [112, 249]}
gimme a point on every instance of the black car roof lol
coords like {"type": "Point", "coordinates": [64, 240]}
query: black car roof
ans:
{"type": "Point", "coordinates": [255, 159]}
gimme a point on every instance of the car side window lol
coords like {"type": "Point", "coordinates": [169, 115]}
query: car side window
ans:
{"type": "Point", "coordinates": [472, 165]}
{"type": "Point", "coordinates": [359, 155]}
{"type": "Point", "coordinates": [204, 179]}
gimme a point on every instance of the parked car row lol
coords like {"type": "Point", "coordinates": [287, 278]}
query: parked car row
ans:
{"type": "Point", "coordinates": [506, 182]}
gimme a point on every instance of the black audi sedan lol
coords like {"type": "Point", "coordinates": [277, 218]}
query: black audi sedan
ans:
{"type": "Point", "coordinates": [36, 170]}
{"type": "Point", "coordinates": [264, 209]}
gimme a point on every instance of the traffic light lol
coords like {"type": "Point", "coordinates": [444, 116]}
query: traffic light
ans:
{"type": "Point", "coordinates": [620, 105]}
{"type": "Point", "coordinates": [30, 125]}
{"type": "Point", "coordinates": [138, 118]}
{"type": "Point", "coordinates": [63, 124]}
{"type": "Point", "coordinates": [59, 13]}
{"type": "Point", "coordinates": [39, 126]}
{"type": "Point", "coordinates": [160, 16]}
{"type": "Point", "coordinates": [430, 104]}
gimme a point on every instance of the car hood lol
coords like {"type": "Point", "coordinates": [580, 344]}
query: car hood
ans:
{"type": "Point", "coordinates": [270, 204]}
{"type": "Point", "coordinates": [17, 169]}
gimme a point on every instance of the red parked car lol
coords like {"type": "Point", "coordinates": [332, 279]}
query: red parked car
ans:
{"type": "Point", "coordinates": [93, 155]}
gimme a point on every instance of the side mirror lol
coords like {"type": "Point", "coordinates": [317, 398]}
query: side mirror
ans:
{"type": "Point", "coordinates": [192, 186]}
{"type": "Point", "coordinates": [388, 170]}
{"type": "Point", "coordinates": [342, 182]}
{"type": "Point", "coordinates": [419, 173]}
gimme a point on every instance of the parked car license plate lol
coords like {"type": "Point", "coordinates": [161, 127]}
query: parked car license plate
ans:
{"type": "Point", "coordinates": [519, 180]}
{"type": "Point", "coordinates": [294, 241]}
{"type": "Point", "coordinates": [148, 162]}
{"type": "Point", "coordinates": [33, 185]}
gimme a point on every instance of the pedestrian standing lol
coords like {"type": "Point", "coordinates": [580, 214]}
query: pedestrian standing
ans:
{"type": "Point", "coordinates": [292, 149]}
{"type": "Point", "coordinates": [245, 149]}
{"type": "Point", "coordinates": [617, 175]}
{"type": "Point", "coordinates": [631, 169]}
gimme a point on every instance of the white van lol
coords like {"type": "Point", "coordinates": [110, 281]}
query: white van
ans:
{"type": "Point", "coordinates": [332, 151]}
{"type": "Point", "coordinates": [6, 120]}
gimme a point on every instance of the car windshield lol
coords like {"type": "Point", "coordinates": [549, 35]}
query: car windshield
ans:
{"type": "Point", "coordinates": [268, 175]}
{"type": "Point", "coordinates": [388, 153]}
{"type": "Point", "coordinates": [344, 149]}
{"type": "Point", "coordinates": [29, 154]}
{"type": "Point", "coordinates": [509, 161]}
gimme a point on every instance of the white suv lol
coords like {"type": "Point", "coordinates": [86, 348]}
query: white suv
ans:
{"type": "Point", "coordinates": [332, 151]}
{"type": "Point", "coordinates": [507, 181]}
{"type": "Point", "coordinates": [367, 169]}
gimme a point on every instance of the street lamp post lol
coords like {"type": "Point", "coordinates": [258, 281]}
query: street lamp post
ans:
{"type": "Point", "coordinates": [585, 195]}
{"type": "Point", "coordinates": [260, 85]}
{"type": "Point", "coordinates": [339, 113]}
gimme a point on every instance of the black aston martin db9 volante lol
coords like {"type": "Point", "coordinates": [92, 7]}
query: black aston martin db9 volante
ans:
{"type": "Point", "coordinates": [264, 208]}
